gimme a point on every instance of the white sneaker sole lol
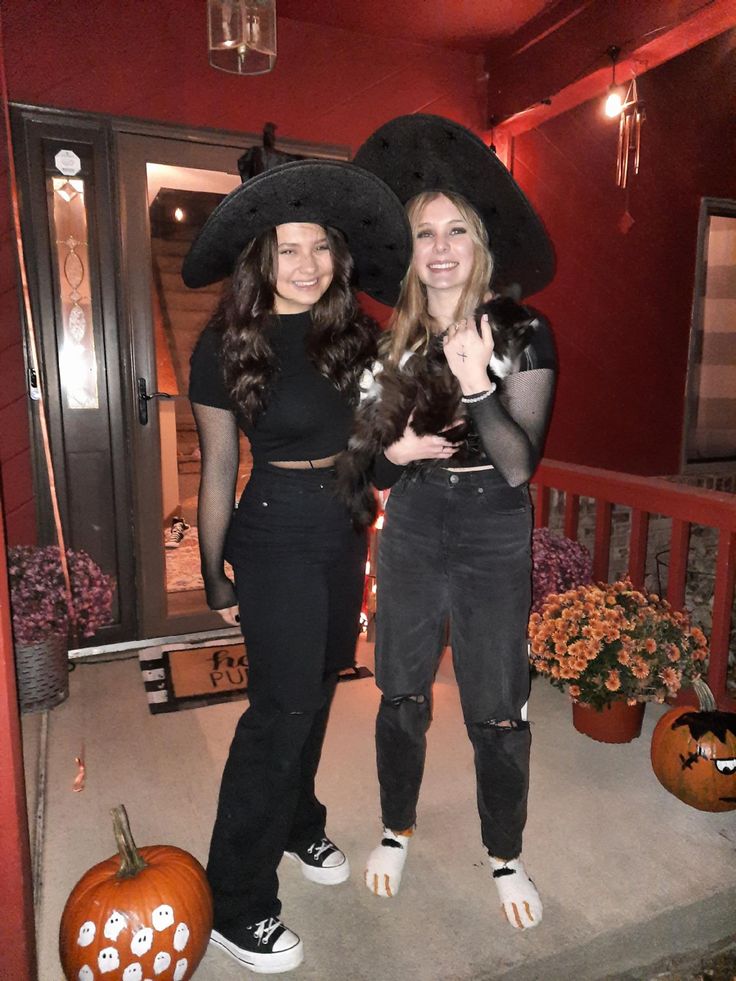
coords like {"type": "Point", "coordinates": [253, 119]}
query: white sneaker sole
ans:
{"type": "Point", "coordinates": [323, 877]}
{"type": "Point", "coordinates": [277, 963]}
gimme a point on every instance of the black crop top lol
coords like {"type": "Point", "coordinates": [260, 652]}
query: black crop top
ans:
{"type": "Point", "coordinates": [306, 418]}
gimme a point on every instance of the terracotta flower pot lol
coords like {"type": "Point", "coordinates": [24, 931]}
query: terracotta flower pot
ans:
{"type": "Point", "coordinates": [616, 722]}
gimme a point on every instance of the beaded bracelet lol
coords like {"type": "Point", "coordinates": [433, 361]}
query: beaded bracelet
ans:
{"type": "Point", "coordinates": [478, 398]}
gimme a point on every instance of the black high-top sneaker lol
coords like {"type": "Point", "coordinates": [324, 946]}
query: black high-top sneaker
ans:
{"type": "Point", "coordinates": [265, 947]}
{"type": "Point", "coordinates": [321, 862]}
{"type": "Point", "coordinates": [176, 532]}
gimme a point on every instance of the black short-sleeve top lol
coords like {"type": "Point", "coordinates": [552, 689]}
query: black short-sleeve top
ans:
{"type": "Point", "coordinates": [540, 352]}
{"type": "Point", "coordinates": [306, 417]}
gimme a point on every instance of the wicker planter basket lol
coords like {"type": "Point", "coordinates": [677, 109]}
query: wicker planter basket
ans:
{"type": "Point", "coordinates": [42, 671]}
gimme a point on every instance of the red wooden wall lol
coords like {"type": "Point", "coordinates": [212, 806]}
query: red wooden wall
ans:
{"type": "Point", "coordinates": [149, 60]}
{"type": "Point", "coordinates": [621, 302]}
{"type": "Point", "coordinates": [14, 449]}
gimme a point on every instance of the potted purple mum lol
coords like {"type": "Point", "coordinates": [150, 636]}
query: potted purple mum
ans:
{"type": "Point", "coordinates": [41, 622]}
{"type": "Point", "coordinates": [558, 564]}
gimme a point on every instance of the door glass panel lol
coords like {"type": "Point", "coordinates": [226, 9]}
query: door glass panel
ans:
{"type": "Point", "coordinates": [77, 362]}
{"type": "Point", "coordinates": [180, 199]}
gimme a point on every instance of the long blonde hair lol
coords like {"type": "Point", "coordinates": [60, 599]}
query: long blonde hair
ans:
{"type": "Point", "coordinates": [411, 325]}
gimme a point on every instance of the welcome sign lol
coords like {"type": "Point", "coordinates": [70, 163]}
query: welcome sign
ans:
{"type": "Point", "coordinates": [177, 677]}
{"type": "Point", "coordinates": [207, 671]}
{"type": "Point", "coordinates": [180, 677]}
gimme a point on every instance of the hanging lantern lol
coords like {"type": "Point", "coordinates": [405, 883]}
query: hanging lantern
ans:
{"type": "Point", "coordinates": [614, 97]}
{"type": "Point", "coordinates": [242, 35]}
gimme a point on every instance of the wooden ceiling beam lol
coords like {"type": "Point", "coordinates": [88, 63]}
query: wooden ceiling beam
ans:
{"type": "Point", "coordinates": [708, 22]}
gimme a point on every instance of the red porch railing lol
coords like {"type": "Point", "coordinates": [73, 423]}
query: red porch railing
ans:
{"type": "Point", "coordinates": [648, 496]}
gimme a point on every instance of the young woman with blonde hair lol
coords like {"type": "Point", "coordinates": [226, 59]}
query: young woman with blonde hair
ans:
{"type": "Point", "coordinates": [456, 542]}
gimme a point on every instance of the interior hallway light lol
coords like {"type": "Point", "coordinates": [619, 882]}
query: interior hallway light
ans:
{"type": "Point", "coordinates": [242, 35]}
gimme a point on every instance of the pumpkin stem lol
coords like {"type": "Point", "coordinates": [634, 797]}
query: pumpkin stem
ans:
{"type": "Point", "coordinates": [705, 696]}
{"type": "Point", "coordinates": [131, 860]}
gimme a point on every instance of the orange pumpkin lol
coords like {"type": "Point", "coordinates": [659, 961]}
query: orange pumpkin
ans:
{"type": "Point", "coordinates": [141, 914]}
{"type": "Point", "coordinates": [694, 753]}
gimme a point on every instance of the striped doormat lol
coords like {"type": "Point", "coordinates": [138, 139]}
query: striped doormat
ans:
{"type": "Point", "coordinates": [177, 676]}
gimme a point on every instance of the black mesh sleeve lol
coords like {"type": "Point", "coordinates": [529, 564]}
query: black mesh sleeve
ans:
{"type": "Point", "coordinates": [218, 441]}
{"type": "Point", "coordinates": [512, 423]}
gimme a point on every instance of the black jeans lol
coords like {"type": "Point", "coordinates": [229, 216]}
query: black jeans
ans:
{"type": "Point", "coordinates": [456, 547]}
{"type": "Point", "coordinates": [299, 570]}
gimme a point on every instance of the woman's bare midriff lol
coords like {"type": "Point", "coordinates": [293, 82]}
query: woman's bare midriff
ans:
{"type": "Point", "coordinates": [325, 461]}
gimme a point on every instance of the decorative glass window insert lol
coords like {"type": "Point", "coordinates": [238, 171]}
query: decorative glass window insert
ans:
{"type": "Point", "coordinates": [77, 360]}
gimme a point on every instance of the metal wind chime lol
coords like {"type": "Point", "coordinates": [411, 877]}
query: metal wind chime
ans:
{"type": "Point", "coordinates": [629, 135]}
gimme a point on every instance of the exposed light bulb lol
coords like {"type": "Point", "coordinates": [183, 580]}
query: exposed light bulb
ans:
{"type": "Point", "coordinates": [179, 214]}
{"type": "Point", "coordinates": [614, 103]}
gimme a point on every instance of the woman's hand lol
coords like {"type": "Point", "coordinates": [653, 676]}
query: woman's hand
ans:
{"type": "Point", "coordinates": [468, 353]}
{"type": "Point", "coordinates": [409, 447]}
{"type": "Point", "coordinates": [231, 615]}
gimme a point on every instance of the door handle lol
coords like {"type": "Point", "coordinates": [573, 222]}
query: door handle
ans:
{"type": "Point", "coordinates": [144, 398]}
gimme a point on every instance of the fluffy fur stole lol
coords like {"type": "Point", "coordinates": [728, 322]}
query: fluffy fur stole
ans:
{"type": "Point", "coordinates": [424, 388]}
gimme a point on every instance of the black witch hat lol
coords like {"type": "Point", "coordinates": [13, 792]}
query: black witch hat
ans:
{"type": "Point", "coordinates": [429, 153]}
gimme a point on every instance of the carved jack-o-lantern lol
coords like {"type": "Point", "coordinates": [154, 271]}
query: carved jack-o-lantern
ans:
{"type": "Point", "coordinates": [694, 754]}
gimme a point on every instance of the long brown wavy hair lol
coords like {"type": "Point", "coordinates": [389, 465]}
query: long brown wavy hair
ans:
{"type": "Point", "coordinates": [341, 343]}
{"type": "Point", "coordinates": [411, 325]}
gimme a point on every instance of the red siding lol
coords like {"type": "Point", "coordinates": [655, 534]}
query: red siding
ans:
{"type": "Point", "coordinates": [15, 474]}
{"type": "Point", "coordinates": [149, 60]}
{"type": "Point", "coordinates": [621, 303]}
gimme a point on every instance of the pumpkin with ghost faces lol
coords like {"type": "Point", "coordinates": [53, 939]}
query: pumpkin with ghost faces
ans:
{"type": "Point", "coordinates": [142, 914]}
{"type": "Point", "coordinates": [694, 753]}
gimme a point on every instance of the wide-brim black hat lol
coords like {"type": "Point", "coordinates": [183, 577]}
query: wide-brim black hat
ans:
{"type": "Point", "coordinates": [323, 192]}
{"type": "Point", "coordinates": [428, 153]}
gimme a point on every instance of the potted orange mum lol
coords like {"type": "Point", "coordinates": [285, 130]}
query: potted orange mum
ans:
{"type": "Point", "coordinates": [611, 646]}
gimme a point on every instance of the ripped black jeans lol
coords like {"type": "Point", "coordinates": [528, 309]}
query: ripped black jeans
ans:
{"type": "Point", "coordinates": [457, 548]}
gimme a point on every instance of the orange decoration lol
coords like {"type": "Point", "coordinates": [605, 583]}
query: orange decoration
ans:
{"type": "Point", "coordinates": [140, 914]}
{"type": "Point", "coordinates": [694, 753]}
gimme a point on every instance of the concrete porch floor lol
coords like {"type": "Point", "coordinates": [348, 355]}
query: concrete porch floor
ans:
{"type": "Point", "coordinates": [627, 873]}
